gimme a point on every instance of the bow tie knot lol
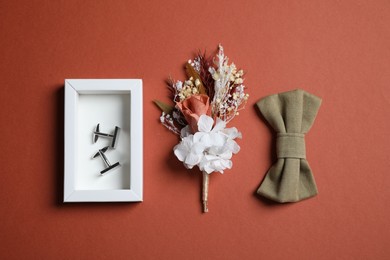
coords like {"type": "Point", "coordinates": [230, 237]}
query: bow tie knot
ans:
{"type": "Point", "coordinates": [290, 145]}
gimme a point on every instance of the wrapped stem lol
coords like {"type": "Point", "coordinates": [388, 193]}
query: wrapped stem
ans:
{"type": "Point", "coordinates": [205, 191]}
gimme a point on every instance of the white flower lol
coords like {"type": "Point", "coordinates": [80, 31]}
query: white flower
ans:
{"type": "Point", "coordinates": [162, 117]}
{"type": "Point", "coordinates": [186, 131]}
{"type": "Point", "coordinates": [211, 148]}
{"type": "Point", "coordinates": [188, 152]}
{"type": "Point", "coordinates": [179, 85]}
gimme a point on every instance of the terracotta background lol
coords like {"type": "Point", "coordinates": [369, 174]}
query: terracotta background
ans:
{"type": "Point", "coordinates": [338, 50]}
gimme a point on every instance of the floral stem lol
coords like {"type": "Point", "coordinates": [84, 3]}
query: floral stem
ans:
{"type": "Point", "coordinates": [205, 191]}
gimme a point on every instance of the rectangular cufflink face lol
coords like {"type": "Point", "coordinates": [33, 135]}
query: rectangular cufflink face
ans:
{"type": "Point", "coordinates": [115, 137]}
{"type": "Point", "coordinates": [117, 105]}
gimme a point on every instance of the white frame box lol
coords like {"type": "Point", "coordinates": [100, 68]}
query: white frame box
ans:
{"type": "Point", "coordinates": [110, 102]}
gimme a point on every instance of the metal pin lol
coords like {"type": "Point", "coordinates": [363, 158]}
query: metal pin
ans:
{"type": "Point", "coordinates": [109, 166]}
{"type": "Point", "coordinates": [114, 136]}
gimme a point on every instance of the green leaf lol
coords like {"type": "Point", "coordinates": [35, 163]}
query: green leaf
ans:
{"type": "Point", "coordinates": [167, 109]}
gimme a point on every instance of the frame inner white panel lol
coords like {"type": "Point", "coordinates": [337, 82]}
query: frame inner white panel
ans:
{"type": "Point", "coordinates": [109, 110]}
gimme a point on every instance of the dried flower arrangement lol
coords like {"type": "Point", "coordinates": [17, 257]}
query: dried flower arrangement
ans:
{"type": "Point", "coordinates": [211, 97]}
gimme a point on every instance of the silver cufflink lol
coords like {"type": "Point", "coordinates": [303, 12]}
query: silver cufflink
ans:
{"type": "Point", "coordinates": [113, 136]}
{"type": "Point", "coordinates": [109, 166]}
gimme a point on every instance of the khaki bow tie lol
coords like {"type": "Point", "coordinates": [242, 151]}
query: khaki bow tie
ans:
{"type": "Point", "coordinates": [291, 114]}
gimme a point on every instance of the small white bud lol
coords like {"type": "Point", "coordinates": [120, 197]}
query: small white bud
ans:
{"type": "Point", "coordinates": [238, 81]}
{"type": "Point", "coordinates": [197, 82]}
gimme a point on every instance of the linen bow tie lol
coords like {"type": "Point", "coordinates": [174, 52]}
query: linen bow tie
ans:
{"type": "Point", "coordinates": [291, 114]}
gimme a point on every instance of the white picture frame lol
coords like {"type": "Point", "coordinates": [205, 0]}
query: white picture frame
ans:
{"type": "Point", "coordinates": [110, 102]}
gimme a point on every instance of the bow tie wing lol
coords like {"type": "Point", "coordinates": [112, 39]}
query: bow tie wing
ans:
{"type": "Point", "coordinates": [291, 114]}
{"type": "Point", "coordinates": [311, 104]}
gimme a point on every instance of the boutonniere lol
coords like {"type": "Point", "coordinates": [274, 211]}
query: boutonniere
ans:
{"type": "Point", "coordinates": [204, 104]}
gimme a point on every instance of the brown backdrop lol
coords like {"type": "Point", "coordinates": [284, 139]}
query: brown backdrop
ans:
{"type": "Point", "coordinates": [338, 50]}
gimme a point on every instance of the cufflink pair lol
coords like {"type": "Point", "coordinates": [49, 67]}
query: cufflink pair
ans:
{"type": "Point", "coordinates": [114, 138]}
